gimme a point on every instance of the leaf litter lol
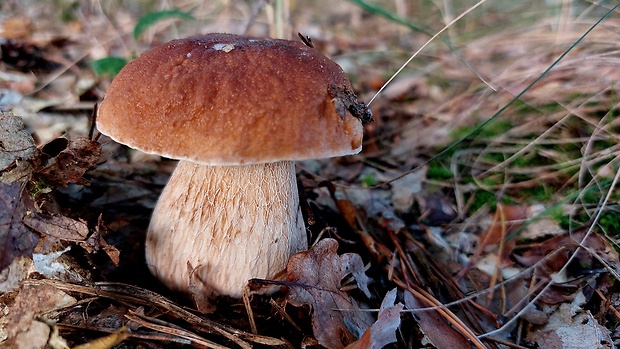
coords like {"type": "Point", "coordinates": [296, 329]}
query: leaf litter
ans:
{"type": "Point", "coordinates": [16, 240]}
{"type": "Point", "coordinates": [461, 269]}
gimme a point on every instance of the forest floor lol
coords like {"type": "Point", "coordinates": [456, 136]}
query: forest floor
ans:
{"type": "Point", "coordinates": [482, 212]}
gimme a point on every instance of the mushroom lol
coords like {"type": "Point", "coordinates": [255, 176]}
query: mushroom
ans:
{"type": "Point", "coordinates": [237, 112]}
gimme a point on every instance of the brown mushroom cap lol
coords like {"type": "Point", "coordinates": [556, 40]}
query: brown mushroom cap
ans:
{"type": "Point", "coordinates": [224, 99]}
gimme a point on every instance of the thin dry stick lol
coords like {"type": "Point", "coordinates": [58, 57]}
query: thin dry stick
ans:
{"type": "Point", "coordinates": [285, 315]}
{"type": "Point", "coordinates": [163, 327]}
{"type": "Point", "coordinates": [609, 306]}
{"type": "Point", "coordinates": [141, 335]}
{"type": "Point", "coordinates": [500, 250]}
{"type": "Point", "coordinates": [108, 341]}
{"type": "Point", "coordinates": [248, 309]}
{"type": "Point", "coordinates": [506, 343]}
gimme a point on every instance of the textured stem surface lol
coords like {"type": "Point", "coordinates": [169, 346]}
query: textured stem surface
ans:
{"type": "Point", "coordinates": [231, 223]}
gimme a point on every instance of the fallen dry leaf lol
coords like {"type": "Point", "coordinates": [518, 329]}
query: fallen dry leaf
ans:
{"type": "Point", "coordinates": [17, 149]}
{"type": "Point", "coordinates": [96, 242]}
{"type": "Point", "coordinates": [56, 227]}
{"type": "Point", "coordinates": [383, 331]}
{"type": "Point", "coordinates": [68, 164]}
{"type": "Point", "coordinates": [16, 28]}
{"type": "Point", "coordinates": [15, 238]}
{"type": "Point", "coordinates": [21, 323]}
{"type": "Point", "coordinates": [437, 332]}
{"type": "Point", "coordinates": [315, 279]}
{"type": "Point", "coordinates": [12, 276]}
{"type": "Point", "coordinates": [572, 327]}
{"type": "Point", "coordinates": [404, 190]}
{"type": "Point", "coordinates": [552, 254]}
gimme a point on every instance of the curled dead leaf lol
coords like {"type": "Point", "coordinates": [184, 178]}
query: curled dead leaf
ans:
{"type": "Point", "coordinates": [17, 149]}
{"type": "Point", "coordinates": [383, 331]}
{"type": "Point", "coordinates": [68, 161]}
{"type": "Point", "coordinates": [96, 242]}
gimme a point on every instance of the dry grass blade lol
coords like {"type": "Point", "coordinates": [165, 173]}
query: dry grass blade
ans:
{"type": "Point", "coordinates": [423, 46]}
{"type": "Point", "coordinates": [173, 331]}
{"type": "Point", "coordinates": [157, 336]}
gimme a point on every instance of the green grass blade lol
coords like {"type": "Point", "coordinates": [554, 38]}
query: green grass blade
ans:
{"type": "Point", "coordinates": [108, 66]}
{"type": "Point", "coordinates": [148, 20]}
{"type": "Point", "coordinates": [389, 15]}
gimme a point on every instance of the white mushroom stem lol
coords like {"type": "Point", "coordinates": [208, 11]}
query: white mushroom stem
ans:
{"type": "Point", "coordinates": [231, 223]}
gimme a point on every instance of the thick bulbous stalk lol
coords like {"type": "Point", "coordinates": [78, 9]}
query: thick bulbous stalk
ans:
{"type": "Point", "coordinates": [230, 223]}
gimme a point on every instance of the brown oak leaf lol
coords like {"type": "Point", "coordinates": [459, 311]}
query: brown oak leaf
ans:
{"type": "Point", "coordinates": [315, 279]}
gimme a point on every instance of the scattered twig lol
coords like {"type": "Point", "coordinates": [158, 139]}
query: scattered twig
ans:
{"type": "Point", "coordinates": [286, 316]}
{"type": "Point", "coordinates": [137, 295]}
{"type": "Point", "coordinates": [174, 331]}
{"type": "Point", "coordinates": [248, 309]}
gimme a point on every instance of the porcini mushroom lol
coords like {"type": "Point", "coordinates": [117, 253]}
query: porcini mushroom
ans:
{"type": "Point", "coordinates": [236, 111]}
